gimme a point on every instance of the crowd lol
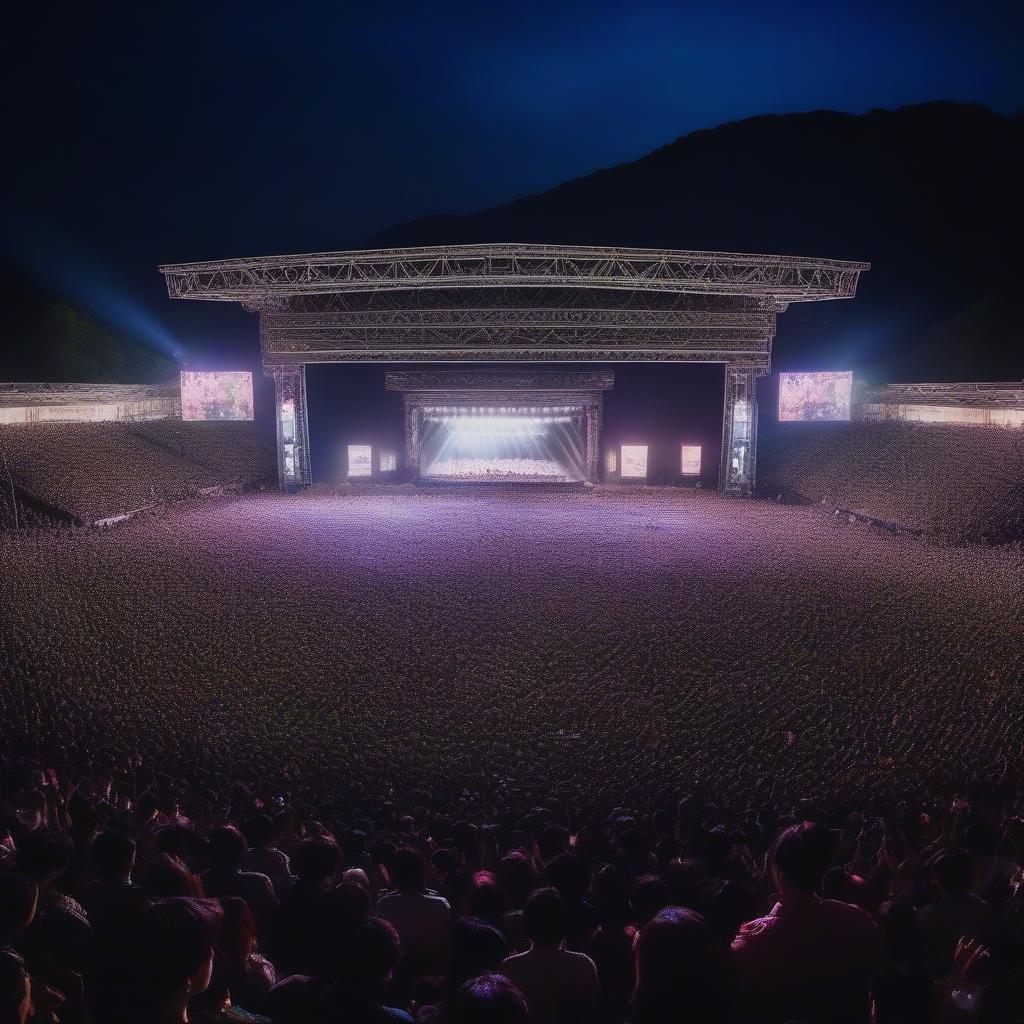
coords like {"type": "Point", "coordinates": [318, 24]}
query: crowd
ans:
{"type": "Point", "coordinates": [130, 895]}
{"type": "Point", "coordinates": [82, 472]}
{"type": "Point", "coordinates": [961, 483]}
{"type": "Point", "coordinates": [514, 469]}
{"type": "Point", "coordinates": [606, 641]}
{"type": "Point", "coordinates": [508, 757]}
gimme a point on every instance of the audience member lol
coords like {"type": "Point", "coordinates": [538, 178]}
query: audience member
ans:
{"type": "Point", "coordinates": [560, 986]}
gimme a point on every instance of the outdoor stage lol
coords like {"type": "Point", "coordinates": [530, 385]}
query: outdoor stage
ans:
{"type": "Point", "coordinates": [514, 302]}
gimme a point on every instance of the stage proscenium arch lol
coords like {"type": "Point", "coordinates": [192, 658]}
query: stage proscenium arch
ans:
{"type": "Point", "coordinates": [518, 303]}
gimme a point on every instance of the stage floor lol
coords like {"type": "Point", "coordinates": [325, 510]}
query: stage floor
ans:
{"type": "Point", "coordinates": [609, 641]}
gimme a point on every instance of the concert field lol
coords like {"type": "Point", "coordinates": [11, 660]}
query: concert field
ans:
{"type": "Point", "coordinates": [612, 642]}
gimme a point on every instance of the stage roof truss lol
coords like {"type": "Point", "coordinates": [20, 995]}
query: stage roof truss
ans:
{"type": "Point", "coordinates": [789, 278]}
{"type": "Point", "coordinates": [514, 302]}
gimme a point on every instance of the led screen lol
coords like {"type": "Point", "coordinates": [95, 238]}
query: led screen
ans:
{"type": "Point", "coordinates": [613, 461]}
{"type": "Point", "coordinates": [634, 461]}
{"type": "Point", "coordinates": [815, 396]}
{"type": "Point", "coordinates": [216, 396]}
{"type": "Point", "coordinates": [360, 460]}
{"type": "Point", "coordinates": [543, 444]}
{"type": "Point", "coordinates": [388, 462]}
{"type": "Point", "coordinates": [690, 460]}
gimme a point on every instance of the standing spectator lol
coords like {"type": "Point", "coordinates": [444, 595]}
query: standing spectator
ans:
{"type": "Point", "coordinates": [560, 986]}
{"type": "Point", "coordinates": [956, 913]}
{"type": "Point", "coordinates": [109, 896]}
{"type": "Point", "coordinates": [809, 958]}
{"type": "Point", "coordinates": [296, 939]}
{"type": "Point", "coordinates": [226, 878]}
{"type": "Point", "coordinates": [681, 971]}
{"type": "Point", "coordinates": [263, 856]}
{"type": "Point", "coordinates": [421, 917]}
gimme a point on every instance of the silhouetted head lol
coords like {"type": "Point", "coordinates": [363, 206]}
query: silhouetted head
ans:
{"type": "Point", "coordinates": [368, 956]}
{"type": "Point", "coordinates": [552, 841]}
{"type": "Point", "coordinates": [407, 869]}
{"type": "Point", "coordinates": [477, 947]}
{"type": "Point", "coordinates": [953, 871]}
{"type": "Point", "coordinates": [260, 830]}
{"type": "Point", "coordinates": [486, 897]}
{"type": "Point", "coordinates": [650, 894]}
{"type": "Point", "coordinates": [801, 855]}
{"type": "Point", "coordinates": [546, 917]}
{"type": "Point", "coordinates": [680, 970]}
{"type": "Point", "coordinates": [517, 876]}
{"type": "Point", "coordinates": [227, 848]}
{"type": "Point", "coordinates": [488, 999]}
{"type": "Point", "coordinates": [45, 856]}
{"type": "Point", "coordinates": [317, 859]}
{"type": "Point", "coordinates": [112, 856]}
{"type": "Point", "coordinates": [171, 958]}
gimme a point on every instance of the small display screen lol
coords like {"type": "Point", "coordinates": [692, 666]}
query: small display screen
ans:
{"type": "Point", "coordinates": [634, 461]}
{"type": "Point", "coordinates": [360, 460]}
{"type": "Point", "coordinates": [815, 396]}
{"type": "Point", "coordinates": [216, 396]}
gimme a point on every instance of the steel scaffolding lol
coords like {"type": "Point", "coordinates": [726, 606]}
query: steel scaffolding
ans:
{"type": "Point", "coordinates": [518, 303]}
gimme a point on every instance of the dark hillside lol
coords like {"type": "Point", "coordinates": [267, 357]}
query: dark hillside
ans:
{"type": "Point", "coordinates": [930, 194]}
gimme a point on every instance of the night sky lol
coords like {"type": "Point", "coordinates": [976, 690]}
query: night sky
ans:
{"type": "Point", "coordinates": [145, 133]}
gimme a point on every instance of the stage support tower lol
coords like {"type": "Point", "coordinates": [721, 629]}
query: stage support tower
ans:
{"type": "Point", "coordinates": [293, 469]}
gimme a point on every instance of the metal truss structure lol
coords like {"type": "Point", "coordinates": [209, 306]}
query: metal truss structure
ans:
{"type": "Point", "coordinates": [522, 303]}
{"type": "Point", "coordinates": [1005, 395]}
{"type": "Point", "coordinates": [17, 394]}
{"type": "Point", "coordinates": [582, 391]}
{"type": "Point", "coordinates": [791, 278]}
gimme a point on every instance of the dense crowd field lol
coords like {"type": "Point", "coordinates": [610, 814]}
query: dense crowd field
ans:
{"type": "Point", "coordinates": [81, 472]}
{"type": "Point", "coordinates": [595, 644]}
{"type": "Point", "coordinates": [957, 483]}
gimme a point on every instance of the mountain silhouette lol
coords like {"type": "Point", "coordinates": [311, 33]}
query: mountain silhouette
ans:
{"type": "Point", "coordinates": [931, 195]}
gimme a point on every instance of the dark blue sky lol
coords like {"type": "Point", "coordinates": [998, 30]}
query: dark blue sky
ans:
{"type": "Point", "coordinates": [144, 133]}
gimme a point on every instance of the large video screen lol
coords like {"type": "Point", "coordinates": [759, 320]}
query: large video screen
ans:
{"type": "Point", "coordinates": [216, 396]}
{"type": "Point", "coordinates": [815, 396]}
{"type": "Point", "coordinates": [502, 444]}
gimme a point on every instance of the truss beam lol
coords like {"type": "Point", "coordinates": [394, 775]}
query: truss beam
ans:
{"type": "Point", "coordinates": [787, 278]}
